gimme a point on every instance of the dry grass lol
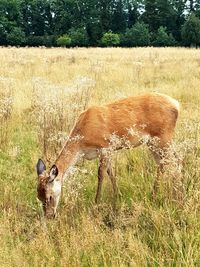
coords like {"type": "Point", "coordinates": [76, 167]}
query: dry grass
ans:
{"type": "Point", "coordinates": [42, 92]}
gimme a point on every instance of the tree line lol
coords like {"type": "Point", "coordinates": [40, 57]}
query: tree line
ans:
{"type": "Point", "coordinates": [127, 23]}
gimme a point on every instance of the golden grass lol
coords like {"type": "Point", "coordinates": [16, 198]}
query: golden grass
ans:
{"type": "Point", "coordinates": [42, 91]}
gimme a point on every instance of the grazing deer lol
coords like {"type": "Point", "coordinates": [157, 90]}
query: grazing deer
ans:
{"type": "Point", "coordinates": [101, 129]}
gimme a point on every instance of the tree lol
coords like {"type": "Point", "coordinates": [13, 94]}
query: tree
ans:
{"type": "Point", "coordinates": [110, 39]}
{"type": "Point", "coordinates": [150, 15]}
{"type": "Point", "coordinates": [64, 40]}
{"type": "Point", "coordinates": [179, 7]}
{"type": "Point", "coordinates": [162, 13]}
{"type": "Point", "coordinates": [191, 31]}
{"type": "Point", "coordinates": [42, 22]}
{"type": "Point", "coordinates": [94, 31]}
{"type": "Point", "coordinates": [63, 16]}
{"type": "Point", "coordinates": [163, 38]}
{"type": "Point", "coordinates": [10, 20]}
{"type": "Point", "coordinates": [138, 35]}
{"type": "Point", "coordinates": [132, 12]}
{"type": "Point", "coordinates": [92, 22]}
{"type": "Point", "coordinates": [105, 7]}
{"type": "Point", "coordinates": [79, 37]}
{"type": "Point", "coordinates": [16, 36]}
{"type": "Point", "coordinates": [118, 18]}
{"type": "Point", "coordinates": [37, 17]}
{"type": "Point", "coordinates": [3, 30]}
{"type": "Point", "coordinates": [11, 10]}
{"type": "Point", "coordinates": [166, 14]}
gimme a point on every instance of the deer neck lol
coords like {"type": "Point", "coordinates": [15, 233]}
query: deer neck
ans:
{"type": "Point", "coordinates": [67, 158]}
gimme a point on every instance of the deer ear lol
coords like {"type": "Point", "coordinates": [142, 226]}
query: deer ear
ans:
{"type": "Point", "coordinates": [53, 173]}
{"type": "Point", "coordinates": [40, 167]}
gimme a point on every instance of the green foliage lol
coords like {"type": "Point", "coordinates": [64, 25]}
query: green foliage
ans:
{"type": "Point", "coordinates": [64, 40]}
{"type": "Point", "coordinates": [94, 31]}
{"type": "Point", "coordinates": [110, 39]}
{"type": "Point", "coordinates": [150, 15]}
{"type": "Point", "coordinates": [3, 30]}
{"type": "Point", "coordinates": [167, 14]}
{"type": "Point", "coordinates": [138, 35]}
{"type": "Point", "coordinates": [11, 10]}
{"type": "Point", "coordinates": [46, 40]}
{"type": "Point", "coordinates": [16, 36]}
{"type": "Point", "coordinates": [63, 16]}
{"type": "Point", "coordinates": [37, 18]}
{"type": "Point", "coordinates": [163, 38]}
{"type": "Point", "coordinates": [79, 37]}
{"type": "Point", "coordinates": [10, 23]}
{"type": "Point", "coordinates": [118, 15]}
{"type": "Point", "coordinates": [43, 21]}
{"type": "Point", "coordinates": [133, 13]}
{"type": "Point", "coordinates": [191, 31]}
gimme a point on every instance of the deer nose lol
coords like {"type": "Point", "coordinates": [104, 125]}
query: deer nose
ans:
{"type": "Point", "coordinates": [50, 215]}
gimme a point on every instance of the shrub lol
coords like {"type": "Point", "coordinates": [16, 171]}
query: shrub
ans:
{"type": "Point", "coordinates": [49, 40]}
{"type": "Point", "coordinates": [163, 38]}
{"type": "Point", "coordinates": [138, 35]}
{"type": "Point", "coordinates": [64, 41]}
{"type": "Point", "coordinates": [46, 40]}
{"type": "Point", "coordinates": [79, 37]}
{"type": "Point", "coordinates": [16, 36]}
{"type": "Point", "coordinates": [110, 39]}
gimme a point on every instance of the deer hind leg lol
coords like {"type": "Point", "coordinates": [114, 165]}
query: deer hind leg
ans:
{"type": "Point", "coordinates": [166, 159]}
{"type": "Point", "coordinates": [160, 171]}
{"type": "Point", "coordinates": [103, 165]}
{"type": "Point", "coordinates": [159, 149]}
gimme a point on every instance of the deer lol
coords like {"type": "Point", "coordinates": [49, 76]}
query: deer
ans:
{"type": "Point", "coordinates": [99, 131]}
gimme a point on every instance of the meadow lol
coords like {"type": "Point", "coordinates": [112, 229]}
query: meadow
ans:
{"type": "Point", "coordinates": [42, 92]}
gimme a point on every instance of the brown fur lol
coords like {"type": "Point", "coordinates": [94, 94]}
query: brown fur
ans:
{"type": "Point", "coordinates": [152, 114]}
{"type": "Point", "coordinates": [42, 181]}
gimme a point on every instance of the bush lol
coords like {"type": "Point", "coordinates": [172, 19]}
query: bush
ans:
{"type": "Point", "coordinates": [94, 31]}
{"type": "Point", "coordinates": [3, 32]}
{"type": "Point", "coordinates": [191, 31]}
{"type": "Point", "coordinates": [163, 38]}
{"type": "Point", "coordinates": [110, 39]}
{"type": "Point", "coordinates": [49, 40]}
{"type": "Point", "coordinates": [64, 41]}
{"type": "Point", "coordinates": [46, 40]}
{"type": "Point", "coordinates": [138, 35]}
{"type": "Point", "coordinates": [16, 36]}
{"type": "Point", "coordinates": [79, 37]}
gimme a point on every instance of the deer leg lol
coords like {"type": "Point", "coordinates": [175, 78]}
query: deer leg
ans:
{"type": "Point", "coordinates": [156, 186]}
{"type": "Point", "coordinates": [101, 174]}
{"type": "Point", "coordinates": [112, 178]}
{"type": "Point", "coordinates": [167, 160]}
{"type": "Point", "coordinates": [159, 151]}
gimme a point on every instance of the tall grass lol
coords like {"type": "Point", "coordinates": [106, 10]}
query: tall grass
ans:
{"type": "Point", "coordinates": [42, 91]}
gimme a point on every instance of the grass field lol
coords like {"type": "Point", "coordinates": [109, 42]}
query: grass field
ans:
{"type": "Point", "coordinates": [42, 91]}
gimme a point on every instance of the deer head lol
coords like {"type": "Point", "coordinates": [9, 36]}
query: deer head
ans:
{"type": "Point", "coordinates": [48, 189]}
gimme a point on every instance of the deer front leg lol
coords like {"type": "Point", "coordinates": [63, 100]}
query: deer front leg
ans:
{"type": "Point", "coordinates": [101, 174]}
{"type": "Point", "coordinates": [113, 180]}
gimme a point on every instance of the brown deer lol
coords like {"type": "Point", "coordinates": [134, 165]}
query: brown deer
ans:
{"type": "Point", "coordinates": [149, 118]}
